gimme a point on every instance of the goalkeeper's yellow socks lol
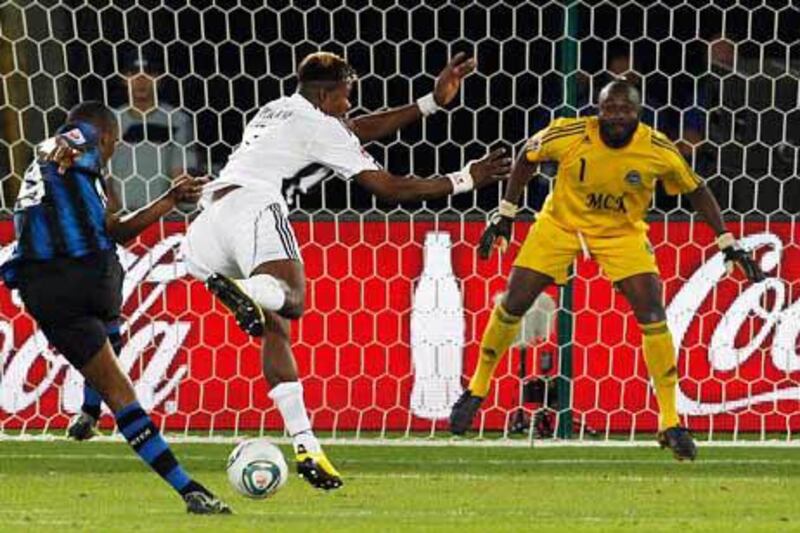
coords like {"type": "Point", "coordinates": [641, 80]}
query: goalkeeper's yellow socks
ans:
{"type": "Point", "coordinates": [659, 354]}
{"type": "Point", "coordinates": [500, 332]}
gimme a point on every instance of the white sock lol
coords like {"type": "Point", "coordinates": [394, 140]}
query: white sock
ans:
{"type": "Point", "coordinates": [265, 290]}
{"type": "Point", "coordinates": [288, 396]}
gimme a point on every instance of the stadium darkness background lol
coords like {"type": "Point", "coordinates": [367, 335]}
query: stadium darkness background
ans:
{"type": "Point", "coordinates": [221, 62]}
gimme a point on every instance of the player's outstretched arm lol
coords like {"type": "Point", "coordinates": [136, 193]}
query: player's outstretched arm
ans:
{"type": "Point", "coordinates": [498, 231]}
{"type": "Point", "coordinates": [476, 174]}
{"type": "Point", "coordinates": [704, 203]}
{"type": "Point", "coordinates": [185, 189]}
{"type": "Point", "coordinates": [382, 123]}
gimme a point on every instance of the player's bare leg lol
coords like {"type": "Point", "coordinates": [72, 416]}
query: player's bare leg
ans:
{"type": "Point", "coordinates": [644, 293]}
{"type": "Point", "coordinates": [524, 286]}
{"type": "Point", "coordinates": [104, 374]}
{"type": "Point", "coordinates": [83, 426]}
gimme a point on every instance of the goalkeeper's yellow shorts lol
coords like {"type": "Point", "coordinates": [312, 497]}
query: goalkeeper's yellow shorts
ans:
{"type": "Point", "coordinates": [550, 249]}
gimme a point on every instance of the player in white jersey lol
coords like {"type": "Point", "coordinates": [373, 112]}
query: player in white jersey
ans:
{"type": "Point", "coordinates": [242, 244]}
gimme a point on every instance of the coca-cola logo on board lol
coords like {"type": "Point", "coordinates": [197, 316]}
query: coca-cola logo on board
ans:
{"type": "Point", "coordinates": [162, 338]}
{"type": "Point", "coordinates": [766, 354]}
{"type": "Point", "coordinates": [723, 356]}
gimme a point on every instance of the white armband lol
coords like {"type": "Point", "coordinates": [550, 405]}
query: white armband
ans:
{"type": "Point", "coordinates": [427, 105]}
{"type": "Point", "coordinates": [462, 180]}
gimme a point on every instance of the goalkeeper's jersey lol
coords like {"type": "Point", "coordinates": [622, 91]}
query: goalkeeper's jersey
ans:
{"type": "Point", "coordinates": [601, 190]}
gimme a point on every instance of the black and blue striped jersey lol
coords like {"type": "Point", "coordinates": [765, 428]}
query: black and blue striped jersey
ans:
{"type": "Point", "coordinates": [61, 215]}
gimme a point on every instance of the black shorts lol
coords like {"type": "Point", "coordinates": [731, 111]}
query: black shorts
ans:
{"type": "Point", "coordinates": [74, 300]}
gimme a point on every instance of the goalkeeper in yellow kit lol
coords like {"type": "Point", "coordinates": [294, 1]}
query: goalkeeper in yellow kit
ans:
{"type": "Point", "coordinates": [607, 171]}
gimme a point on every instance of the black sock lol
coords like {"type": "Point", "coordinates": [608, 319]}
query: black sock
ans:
{"type": "Point", "coordinates": [146, 440]}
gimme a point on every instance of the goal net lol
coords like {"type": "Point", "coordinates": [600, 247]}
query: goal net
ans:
{"type": "Point", "coordinates": [397, 298]}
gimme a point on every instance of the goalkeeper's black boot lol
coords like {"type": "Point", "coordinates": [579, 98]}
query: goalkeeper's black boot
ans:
{"type": "Point", "coordinates": [83, 426]}
{"type": "Point", "coordinates": [248, 313]}
{"type": "Point", "coordinates": [317, 469]}
{"type": "Point", "coordinates": [463, 412]}
{"type": "Point", "coordinates": [680, 441]}
{"type": "Point", "coordinates": [199, 500]}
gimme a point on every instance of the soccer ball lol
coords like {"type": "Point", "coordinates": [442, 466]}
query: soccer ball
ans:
{"type": "Point", "coordinates": [256, 468]}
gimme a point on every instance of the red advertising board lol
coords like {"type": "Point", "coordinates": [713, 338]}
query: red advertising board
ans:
{"type": "Point", "coordinates": [738, 356]}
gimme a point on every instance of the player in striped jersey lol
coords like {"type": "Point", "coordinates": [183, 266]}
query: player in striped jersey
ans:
{"type": "Point", "coordinates": [66, 269]}
{"type": "Point", "coordinates": [608, 166]}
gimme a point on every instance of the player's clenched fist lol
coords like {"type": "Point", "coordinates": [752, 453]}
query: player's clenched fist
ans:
{"type": "Point", "coordinates": [498, 232]}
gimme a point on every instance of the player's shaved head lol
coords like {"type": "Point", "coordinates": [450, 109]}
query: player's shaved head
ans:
{"type": "Point", "coordinates": [619, 108]}
{"type": "Point", "coordinates": [620, 89]}
{"type": "Point", "coordinates": [325, 79]}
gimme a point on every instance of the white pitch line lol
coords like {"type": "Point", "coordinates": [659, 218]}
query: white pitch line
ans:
{"type": "Point", "coordinates": [421, 442]}
{"type": "Point", "coordinates": [438, 461]}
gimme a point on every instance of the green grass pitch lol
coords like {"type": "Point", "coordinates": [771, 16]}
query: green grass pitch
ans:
{"type": "Point", "coordinates": [93, 486]}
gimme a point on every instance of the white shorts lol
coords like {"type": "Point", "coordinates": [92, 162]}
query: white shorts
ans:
{"type": "Point", "coordinates": [234, 235]}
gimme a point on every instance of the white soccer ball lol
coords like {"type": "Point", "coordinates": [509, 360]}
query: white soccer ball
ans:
{"type": "Point", "coordinates": [257, 469]}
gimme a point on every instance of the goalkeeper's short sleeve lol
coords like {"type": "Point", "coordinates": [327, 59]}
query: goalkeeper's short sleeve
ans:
{"type": "Point", "coordinates": [679, 177]}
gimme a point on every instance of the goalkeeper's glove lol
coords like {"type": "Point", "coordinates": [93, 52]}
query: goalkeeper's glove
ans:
{"type": "Point", "coordinates": [735, 256]}
{"type": "Point", "coordinates": [498, 230]}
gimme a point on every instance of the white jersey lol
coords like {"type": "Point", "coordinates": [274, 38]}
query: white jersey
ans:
{"type": "Point", "coordinates": [288, 147]}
